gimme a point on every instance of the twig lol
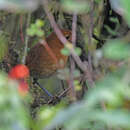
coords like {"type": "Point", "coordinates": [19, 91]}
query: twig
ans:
{"type": "Point", "coordinates": [54, 100]}
{"type": "Point", "coordinates": [74, 27]}
{"type": "Point", "coordinates": [89, 72]}
{"type": "Point", "coordinates": [64, 92]}
{"type": "Point", "coordinates": [26, 39]}
{"type": "Point", "coordinates": [72, 63]}
{"type": "Point", "coordinates": [21, 30]}
{"type": "Point", "coordinates": [90, 34]}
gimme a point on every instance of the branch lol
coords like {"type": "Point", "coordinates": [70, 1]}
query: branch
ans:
{"type": "Point", "coordinates": [72, 63]}
{"type": "Point", "coordinates": [26, 40]}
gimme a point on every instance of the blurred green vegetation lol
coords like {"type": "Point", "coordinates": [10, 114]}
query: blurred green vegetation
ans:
{"type": "Point", "coordinates": [4, 40]}
{"type": "Point", "coordinates": [14, 113]}
{"type": "Point", "coordinates": [105, 106]}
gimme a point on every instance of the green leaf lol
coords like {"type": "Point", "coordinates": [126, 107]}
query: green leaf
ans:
{"type": "Point", "coordinates": [13, 113]}
{"type": "Point", "coordinates": [35, 29]}
{"type": "Point", "coordinates": [126, 6]}
{"type": "Point", "coordinates": [116, 50]}
{"type": "Point", "coordinates": [40, 33]}
{"type": "Point", "coordinates": [39, 23]}
{"type": "Point", "coordinates": [18, 5]}
{"type": "Point", "coordinates": [30, 32]}
{"type": "Point", "coordinates": [47, 113]}
{"type": "Point", "coordinates": [75, 6]}
{"type": "Point", "coordinates": [78, 51]}
{"type": "Point", "coordinates": [65, 51]}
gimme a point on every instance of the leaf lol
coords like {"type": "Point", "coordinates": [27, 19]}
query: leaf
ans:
{"type": "Point", "coordinates": [75, 6]}
{"type": "Point", "coordinates": [39, 23]}
{"type": "Point", "coordinates": [40, 33]}
{"type": "Point", "coordinates": [65, 51]}
{"type": "Point", "coordinates": [116, 50]}
{"type": "Point", "coordinates": [18, 5]}
{"type": "Point", "coordinates": [12, 107]}
{"type": "Point", "coordinates": [78, 51]}
{"type": "Point", "coordinates": [126, 6]}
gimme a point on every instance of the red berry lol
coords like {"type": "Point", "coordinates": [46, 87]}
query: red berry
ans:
{"type": "Point", "coordinates": [19, 71]}
{"type": "Point", "coordinates": [23, 88]}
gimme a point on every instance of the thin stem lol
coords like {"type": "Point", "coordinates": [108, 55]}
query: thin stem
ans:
{"type": "Point", "coordinates": [72, 63]}
{"type": "Point", "coordinates": [90, 35]}
{"type": "Point", "coordinates": [21, 30]}
{"type": "Point", "coordinates": [26, 39]}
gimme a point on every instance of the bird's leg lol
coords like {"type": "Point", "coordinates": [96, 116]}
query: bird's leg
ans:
{"type": "Point", "coordinates": [37, 83]}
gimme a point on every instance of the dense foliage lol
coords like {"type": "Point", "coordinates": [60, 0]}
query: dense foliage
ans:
{"type": "Point", "coordinates": [95, 89]}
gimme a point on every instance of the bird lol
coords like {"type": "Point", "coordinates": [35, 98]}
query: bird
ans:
{"type": "Point", "coordinates": [41, 64]}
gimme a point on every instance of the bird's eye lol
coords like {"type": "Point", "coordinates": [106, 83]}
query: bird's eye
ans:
{"type": "Point", "coordinates": [67, 36]}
